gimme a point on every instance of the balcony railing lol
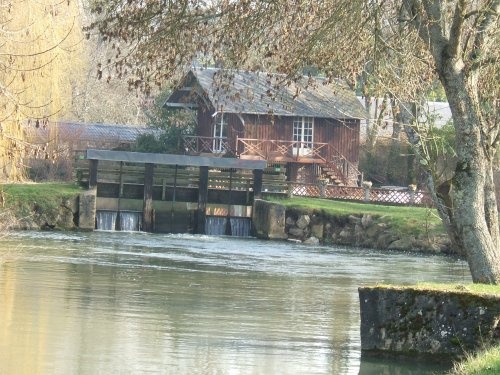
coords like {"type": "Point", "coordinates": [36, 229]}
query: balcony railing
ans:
{"type": "Point", "coordinates": [317, 152]}
{"type": "Point", "coordinates": [276, 150]}
{"type": "Point", "coordinates": [218, 146]}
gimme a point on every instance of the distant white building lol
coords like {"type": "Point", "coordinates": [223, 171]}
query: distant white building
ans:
{"type": "Point", "coordinates": [440, 111]}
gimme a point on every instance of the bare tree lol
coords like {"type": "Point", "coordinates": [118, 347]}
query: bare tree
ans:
{"type": "Point", "coordinates": [411, 42]}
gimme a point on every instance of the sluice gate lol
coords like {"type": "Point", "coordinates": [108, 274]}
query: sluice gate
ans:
{"type": "Point", "coordinates": [172, 193]}
{"type": "Point", "coordinates": [125, 221]}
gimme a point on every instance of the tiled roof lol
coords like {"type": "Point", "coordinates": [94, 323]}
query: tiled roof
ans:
{"type": "Point", "coordinates": [263, 93]}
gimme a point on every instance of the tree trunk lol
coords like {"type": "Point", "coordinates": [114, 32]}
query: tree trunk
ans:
{"type": "Point", "coordinates": [441, 195]}
{"type": "Point", "coordinates": [475, 212]}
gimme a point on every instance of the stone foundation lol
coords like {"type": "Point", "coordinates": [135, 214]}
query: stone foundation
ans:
{"type": "Point", "coordinates": [406, 321]}
{"type": "Point", "coordinates": [87, 209]}
{"type": "Point", "coordinates": [268, 220]}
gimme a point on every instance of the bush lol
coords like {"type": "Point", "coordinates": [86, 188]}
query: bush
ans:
{"type": "Point", "coordinates": [42, 170]}
{"type": "Point", "coordinates": [388, 164]}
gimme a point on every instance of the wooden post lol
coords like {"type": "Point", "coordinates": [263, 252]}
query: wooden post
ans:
{"type": "Point", "coordinates": [120, 194]}
{"type": "Point", "coordinates": [228, 231]}
{"type": "Point", "coordinates": [147, 210]}
{"type": "Point", "coordinates": [164, 189]}
{"type": "Point", "coordinates": [93, 164]}
{"type": "Point", "coordinates": [257, 183]}
{"type": "Point", "coordinates": [172, 206]}
{"type": "Point", "coordinates": [247, 200]}
{"type": "Point", "coordinates": [202, 200]}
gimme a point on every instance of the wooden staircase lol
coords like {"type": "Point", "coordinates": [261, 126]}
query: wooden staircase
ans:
{"type": "Point", "coordinates": [340, 172]}
{"type": "Point", "coordinates": [331, 173]}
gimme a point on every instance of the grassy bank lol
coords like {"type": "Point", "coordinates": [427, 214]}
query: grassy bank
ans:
{"type": "Point", "coordinates": [44, 194]}
{"type": "Point", "coordinates": [24, 202]}
{"type": "Point", "coordinates": [405, 220]}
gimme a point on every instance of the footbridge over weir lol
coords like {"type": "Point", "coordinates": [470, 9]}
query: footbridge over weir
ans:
{"type": "Point", "coordinates": [170, 193]}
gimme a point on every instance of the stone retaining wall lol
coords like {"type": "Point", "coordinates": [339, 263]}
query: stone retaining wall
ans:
{"type": "Point", "coordinates": [406, 321]}
{"type": "Point", "coordinates": [352, 230]}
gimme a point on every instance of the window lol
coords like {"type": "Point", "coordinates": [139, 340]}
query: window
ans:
{"type": "Point", "coordinates": [220, 133]}
{"type": "Point", "coordinates": [303, 135]}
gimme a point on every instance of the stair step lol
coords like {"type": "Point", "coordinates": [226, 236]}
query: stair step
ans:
{"type": "Point", "coordinates": [332, 173]}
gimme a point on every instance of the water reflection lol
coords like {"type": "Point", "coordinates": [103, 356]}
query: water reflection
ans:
{"type": "Point", "coordinates": [110, 303]}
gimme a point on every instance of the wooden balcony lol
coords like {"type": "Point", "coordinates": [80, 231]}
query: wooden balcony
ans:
{"type": "Point", "coordinates": [276, 151]}
{"type": "Point", "coordinates": [333, 164]}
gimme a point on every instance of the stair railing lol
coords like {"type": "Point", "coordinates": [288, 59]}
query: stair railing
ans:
{"type": "Point", "coordinates": [345, 168]}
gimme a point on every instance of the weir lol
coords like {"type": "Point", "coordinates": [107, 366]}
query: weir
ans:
{"type": "Point", "coordinates": [126, 221]}
{"type": "Point", "coordinates": [130, 221]}
{"type": "Point", "coordinates": [173, 193]}
{"type": "Point", "coordinates": [217, 226]}
{"type": "Point", "coordinates": [106, 220]}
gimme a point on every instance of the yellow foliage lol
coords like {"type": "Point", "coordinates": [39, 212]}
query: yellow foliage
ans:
{"type": "Point", "coordinates": [39, 60]}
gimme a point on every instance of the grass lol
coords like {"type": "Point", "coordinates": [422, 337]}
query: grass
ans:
{"type": "Point", "coordinates": [404, 219]}
{"type": "Point", "coordinates": [30, 192]}
{"type": "Point", "coordinates": [472, 288]}
{"type": "Point", "coordinates": [486, 362]}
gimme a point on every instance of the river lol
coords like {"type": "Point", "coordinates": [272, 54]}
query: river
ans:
{"type": "Point", "coordinates": [134, 303]}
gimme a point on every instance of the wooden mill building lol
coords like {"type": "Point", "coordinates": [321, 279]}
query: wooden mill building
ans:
{"type": "Point", "coordinates": [309, 127]}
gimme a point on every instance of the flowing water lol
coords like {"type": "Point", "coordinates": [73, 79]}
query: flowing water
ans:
{"type": "Point", "coordinates": [130, 221]}
{"type": "Point", "coordinates": [106, 220]}
{"type": "Point", "coordinates": [134, 303]}
{"type": "Point", "coordinates": [240, 226]}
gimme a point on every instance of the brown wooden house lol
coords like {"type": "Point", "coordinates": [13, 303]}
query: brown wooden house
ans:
{"type": "Point", "coordinates": [308, 127]}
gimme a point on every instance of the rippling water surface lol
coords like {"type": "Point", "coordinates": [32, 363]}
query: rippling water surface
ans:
{"type": "Point", "coordinates": [122, 303]}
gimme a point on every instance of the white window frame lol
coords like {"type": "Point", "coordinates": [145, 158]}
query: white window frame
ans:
{"type": "Point", "coordinates": [303, 136]}
{"type": "Point", "coordinates": [219, 133]}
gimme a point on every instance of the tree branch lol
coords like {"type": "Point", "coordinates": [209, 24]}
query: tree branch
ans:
{"type": "Point", "coordinates": [456, 29]}
{"type": "Point", "coordinates": [429, 30]}
{"type": "Point", "coordinates": [482, 61]}
{"type": "Point", "coordinates": [484, 31]}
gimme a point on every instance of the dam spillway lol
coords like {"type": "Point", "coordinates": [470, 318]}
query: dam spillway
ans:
{"type": "Point", "coordinates": [172, 193]}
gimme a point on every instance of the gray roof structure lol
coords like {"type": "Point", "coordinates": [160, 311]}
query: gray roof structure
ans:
{"type": "Point", "coordinates": [76, 131]}
{"type": "Point", "coordinates": [244, 92]}
{"type": "Point", "coordinates": [169, 159]}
